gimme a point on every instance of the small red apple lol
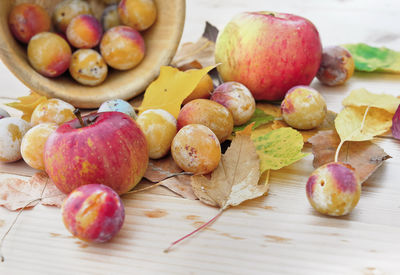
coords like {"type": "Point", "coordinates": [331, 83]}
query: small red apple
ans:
{"type": "Point", "coordinates": [110, 149]}
{"type": "Point", "coordinates": [268, 52]}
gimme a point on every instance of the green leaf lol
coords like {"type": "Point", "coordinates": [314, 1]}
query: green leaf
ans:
{"type": "Point", "coordinates": [278, 148]}
{"type": "Point", "coordinates": [259, 118]}
{"type": "Point", "coordinates": [372, 59]}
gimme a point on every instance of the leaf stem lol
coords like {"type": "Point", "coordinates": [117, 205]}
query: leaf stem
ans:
{"type": "Point", "coordinates": [338, 150]}
{"type": "Point", "coordinates": [195, 231]}
{"type": "Point", "coordinates": [159, 183]}
{"type": "Point", "coordinates": [364, 118]}
{"type": "Point", "coordinates": [2, 258]}
{"type": "Point", "coordinates": [349, 138]}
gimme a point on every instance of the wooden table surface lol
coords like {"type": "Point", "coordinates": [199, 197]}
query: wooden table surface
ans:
{"type": "Point", "coordinates": [276, 234]}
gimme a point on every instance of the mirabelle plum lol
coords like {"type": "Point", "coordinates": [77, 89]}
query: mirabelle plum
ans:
{"type": "Point", "coordinates": [49, 54]}
{"type": "Point", "coordinates": [66, 10]}
{"type": "Point", "coordinates": [12, 130]}
{"type": "Point", "coordinates": [333, 189]}
{"type": "Point", "coordinates": [3, 113]}
{"type": "Point", "coordinates": [303, 108]}
{"type": "Point", "coordinates": [118, 105]}
{"type": "Point", "coordinates": [32, 146]}
{"type": "Point", "coordinates": [122, 47]}
{"type": "Point", "coordinates": [110, 17]}
{"type": "Point", "coordinates": [159, 127]}
{"type": "Point", "coordinates": [93, 213]}
{"type": "Point", "coordinates": [88, 67]}
{"type": "Point", "coordinates": [208, 113]}
{"type": "Point", "coordinates": [202, 90]}
{"type": "Point", "coordinates": [196, 149]}
{"type": "Point", "coordinates": [138, 14]}
{"type": "Point", "coordinates": [26, 20]}
{"type": "Point", "coordinates": [237, 99]}
{"type": "Point", "coordinates": [337, 66]}
{"type": "Point", "coordinates": [84, 32]}
{"type": "Point", "coordinates": [53, 111]}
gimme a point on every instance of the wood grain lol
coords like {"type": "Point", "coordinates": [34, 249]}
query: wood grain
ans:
{"type": "Point", "coordinates": [276, 234]}
{"type": "Point", "coordinates": [162, 40]}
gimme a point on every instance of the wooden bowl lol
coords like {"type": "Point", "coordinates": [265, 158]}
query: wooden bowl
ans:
{"type": "Point", "coordinates": [161, 40]}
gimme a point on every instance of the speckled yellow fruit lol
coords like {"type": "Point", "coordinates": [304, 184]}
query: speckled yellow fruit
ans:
{"type": "Point", "coordinates": [53, 111]}
{"type": "Point", "coordinates": [12, 130]}
{"type": "Point", "coordinates": [49, 54]}
{"type": "Point", "coordinates": [303, 108]}
{"type": "Point", "coordinates": [208, 113]}
{"type": "Point", "coordinates": [32, 146]}
{"type": "Point", "coordinates": [88, 67]}
{"type": "Point", "coordinates": [196, 149]}
{"type": "Point", "coordinates": [66, 10]}
{"type": "Point", "coordinates": [138, 14]}
{"type": "Point", "coordinates": [159, 127]}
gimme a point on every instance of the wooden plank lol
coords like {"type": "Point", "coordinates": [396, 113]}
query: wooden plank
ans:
{"type": "Point", "coordinates": [276, 234]}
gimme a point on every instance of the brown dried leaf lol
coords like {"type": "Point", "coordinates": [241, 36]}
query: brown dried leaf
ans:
{"type": "Point", "coordinates": [15, 193]}
{"type": "Point", "coordinates": [160, 170]}
{"type": "Point", "coordinates": [202, 51]}
{"type": "Point", "coordinates": [364, 156]}
{"type": "Point", "coordinates": [181, 186]}
{"type": "Point", "coordinates": [236, 179]}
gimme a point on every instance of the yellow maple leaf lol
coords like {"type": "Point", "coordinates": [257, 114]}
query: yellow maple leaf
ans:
{"type": "Point", "coordinates": [27, 104]}
{"type": "Point", "coordinates": [278, 148]}
{"type": "Point", "coordinates": [169, 90]}
{"type": "Point", "coordinates": [362, 97]}
{"type": "Point", "coordinates": [358, 124]}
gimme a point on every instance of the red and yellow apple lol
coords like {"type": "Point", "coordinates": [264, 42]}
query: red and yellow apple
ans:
{"type": "Point", "coordinates": [109, 149]}
{"type": "Point", "coordinates": [268, 52]}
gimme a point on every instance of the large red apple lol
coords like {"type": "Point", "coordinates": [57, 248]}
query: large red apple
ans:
{"type": "Point", "coordinates": [268, 52]}
{"type": "Point", "coordinates": [110, 149]}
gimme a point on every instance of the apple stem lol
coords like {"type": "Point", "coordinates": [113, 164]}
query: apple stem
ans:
{"type": "Point", "coordinates": [77, 113]}
{"type": "Point", "coordinates": [195, 231]}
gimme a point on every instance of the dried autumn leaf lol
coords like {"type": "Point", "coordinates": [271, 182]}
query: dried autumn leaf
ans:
{"type": "Point", "coordinates": [27, 104]}
{"type": "Point", "coordinates": [362, 97]}
{"type": "Point", "coordinates": [364, 156]}
{"type": "Point", "coordinates": [16, 193]}
{"type": "Point", "coordinates": [202, 51]}
{"type": "Point", "coordinates": [164, 171]}
{"type": "Point", "coordinates": [169, 90]}
{"type": "Point", "coordinates": [278, 148]}
{"type": "Point", "coordinates": [396, 124]}
{"type": "Point", "coordinates": [270, 109]}
{"type": "Point", "coordinates": [259, 118]}
{"type": "Point", "coordinates": [236, 178]}
{"type": "Point", "coordinates": [358, 124]}
{"type": "Point", "coordinates": [372, 59]}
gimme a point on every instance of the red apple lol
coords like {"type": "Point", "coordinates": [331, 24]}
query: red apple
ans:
{"type": "Point", "coordinates": [268, 52]}
{"type": "Point", "coordinates": [110, 149]}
